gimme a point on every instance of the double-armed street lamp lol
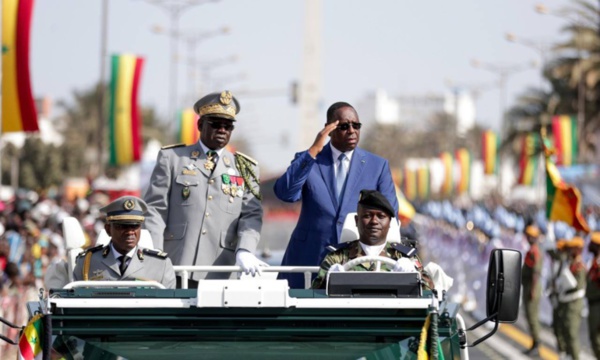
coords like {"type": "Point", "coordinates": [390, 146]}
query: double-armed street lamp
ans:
{"type": "Point", "coordinates": [540, 47]}
{"type": "Point", "coordinates": [175, 8]}
{"type": "Point", "coordinates": [192, 39]}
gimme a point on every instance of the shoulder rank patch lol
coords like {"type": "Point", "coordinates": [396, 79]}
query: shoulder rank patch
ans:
{"type": "Point", "coordinates": [172, 146]}
{"type": "Point", "coordinates": [94, 249]}
{"type": "Point", "coordinates": [337, 247]}
{"type": "Point", "coordinates": [155, 253]}
{"type": "Point", "coordinates": [404, 250]}
{"type": "Point", "coordinates": [237, 153]}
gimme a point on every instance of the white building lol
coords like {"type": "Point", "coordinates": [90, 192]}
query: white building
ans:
{"type": "Point", "coordinates": [417, 110]}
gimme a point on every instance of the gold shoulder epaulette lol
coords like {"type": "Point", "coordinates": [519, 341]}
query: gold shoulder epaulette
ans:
{"type": "Point", "coordinates": [94, 249]}
{"type": "Point", "coordinates": [157, 253]}
{"type": "Point", "coordinates": [172, 146]}
{"type": "Point", "coordinates": [247, 157]}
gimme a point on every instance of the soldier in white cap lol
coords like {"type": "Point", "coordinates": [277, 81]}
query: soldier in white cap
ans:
{"type": "Point", "coordinates": [122, 258]}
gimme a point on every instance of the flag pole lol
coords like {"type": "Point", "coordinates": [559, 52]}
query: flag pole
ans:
{"type": "Point", "coordinates": [1, 82]}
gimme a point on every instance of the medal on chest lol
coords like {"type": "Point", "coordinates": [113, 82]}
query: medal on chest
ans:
{"type": "Point", "coordinates": [232, 185]}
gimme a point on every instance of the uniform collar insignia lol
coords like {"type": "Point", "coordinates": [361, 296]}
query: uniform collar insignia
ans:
{"type": "Point", "coordinates": [105, 251]}
{"type": "Point", "coordinates": [140, 254]}
{"type": "Point", "coordinates": [227, 161]}
{"type": "Point", "coordinates": [97, 273]}
{"type": "Point", "coordinates": [195, 154]}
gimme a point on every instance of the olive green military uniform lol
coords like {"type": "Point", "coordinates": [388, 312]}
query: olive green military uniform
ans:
{"type": "Point", "coordinates": [593, 297]}
{"type": "Point", "coordinates": [352, 250]}
{"type": "Point", "coordinates": [532, 289]}
{"type": "Point", "coordinates": [571, 307]}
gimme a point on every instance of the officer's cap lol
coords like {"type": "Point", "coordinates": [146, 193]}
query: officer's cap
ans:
{"type": "Point", "coordinates": [375, 199]}
{"type": "Point", "coordinates": [125, 210]}
{"type": "Point", "coordinates": [532, 231]}
{"type": "Point", "coordinates": [595, 237]}
{"type": "Point", "coordinates": [218, 104]}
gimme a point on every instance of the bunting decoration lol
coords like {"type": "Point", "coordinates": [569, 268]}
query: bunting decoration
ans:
{"type": "Point", "coordinates": [30, 342]}
{"type": "Point", "coordinates": [448, 183]}
{"type": "Point", "coordinates": [563, 200]}
{"type": "Point", "coordinates": [529, 160]}
{"type": "Point", "coordinates": [463, 158]}
{"type": "Point", "coordinates": [489, 151]}
{"type": "Point", "coordinates": [18, 108]}
{"type": "Point", "coordinates": [125, 118]}
{"type": "Point", "coordinates": [188, 127]}
{"type": "Point", "coordinates": [423, 182]}
{"type": "Point", "coordinates": [564, 129]}
{"type": "Point", "coordinates": [410, 183]}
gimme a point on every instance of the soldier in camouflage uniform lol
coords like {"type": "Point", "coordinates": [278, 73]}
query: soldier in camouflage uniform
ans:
{"type": "Point", "coordinates": [532, 289]}
{"type": "Point", "coordinates": [572, 300]}
{"type": "Point", "coordinates": [593, 294]}
{"type": "Point", "coordinates": [558, 259]}
{"type": "Point", "coordinates": [373, 218]}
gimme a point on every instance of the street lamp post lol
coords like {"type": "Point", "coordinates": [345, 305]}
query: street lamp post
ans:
{"type": "Point", "coordinates": [175, 8]}
{"type": "Point", "coordinates": [503, 72]}
{"type": "Point", "coordinates": [193, 39]}
{"type": "Point", "coordinates": [541, 47]}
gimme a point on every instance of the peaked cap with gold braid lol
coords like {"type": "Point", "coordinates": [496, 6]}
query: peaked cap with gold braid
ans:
{"type": "Point", "coordinates": [221, 104]}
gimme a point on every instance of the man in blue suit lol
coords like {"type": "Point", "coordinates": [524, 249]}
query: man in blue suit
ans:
{"type": "Point", "coordinates": [328, 179]}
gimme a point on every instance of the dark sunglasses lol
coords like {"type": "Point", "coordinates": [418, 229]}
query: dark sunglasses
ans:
{"type": "Point", "coordinates": [346, 126]}
{"type": "Point", "coordinates": [122, 227]}
{"type": "Point", "coordinates": [218, 125]}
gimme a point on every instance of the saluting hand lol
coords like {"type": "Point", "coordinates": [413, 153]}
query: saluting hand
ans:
{"type": "Point", "coordinates": [321, 139]}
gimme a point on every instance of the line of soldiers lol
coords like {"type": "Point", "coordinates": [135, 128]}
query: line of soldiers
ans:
{"type": "Point", "coordinates": [569, 285]}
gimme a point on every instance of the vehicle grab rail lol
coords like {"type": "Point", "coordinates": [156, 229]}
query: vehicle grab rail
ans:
{"type": "Point", "coordinates": [185, 270]}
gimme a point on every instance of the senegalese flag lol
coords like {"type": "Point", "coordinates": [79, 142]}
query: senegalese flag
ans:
{"type": "Point", "coordinates": [125, 118]}
{"type": "Point", "coordinates": [410, 183]}
{"type": "Point", "coordinates": [448, 182]}
{"type": "Point", "coordinates": [188, 127]}
{"type": "Point", "coordinates": [423, 352]}
{"type": "Point", "coordinates": [30, 342]}
{"type": "Point", "coordinates": [563, 200]}
{"type": "Point", "coordinates": [489, 151]}
{"type": "Point", "coordinates": [564, 129]}
{"type": "Point", "coordinates": [529, 160]}
{"type": "Point", "coordinates": [18, 107]}
{"type": "Point", "coordinates": [463, 158]}
{"type": "Point", "coordinates": [406, 212]}
{"type": "Point", "coordinates": [423, 182]}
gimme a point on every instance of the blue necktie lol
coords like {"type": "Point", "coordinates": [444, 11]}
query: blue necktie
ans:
{"type": "Point", "coordinates": [340, 178]}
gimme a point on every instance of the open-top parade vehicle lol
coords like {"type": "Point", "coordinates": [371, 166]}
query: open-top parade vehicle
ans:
{"type": "Point", "coordinates": [367, 315]}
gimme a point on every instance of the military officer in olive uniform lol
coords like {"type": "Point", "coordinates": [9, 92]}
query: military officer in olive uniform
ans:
{"type": "Point", "coordinates": [122, 258]}
{"type": "Point", "coordinates": [592, 293]}
{"type": "Point", "coordinates": [374, 214]}
{"type": "Point", "coordinates": [572, 300]}
{"type": "Point", "coordinates": [532, 287]}
{"type": "Point", "coordinates": [204, 201]}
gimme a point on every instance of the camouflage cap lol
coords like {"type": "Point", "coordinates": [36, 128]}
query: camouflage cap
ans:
{"type": "Point", "coordinates": [125, 210]}
{"type": "Point", "coordinates": [221, 104]}
{"type": "Point", "coordinates": [375, 199]}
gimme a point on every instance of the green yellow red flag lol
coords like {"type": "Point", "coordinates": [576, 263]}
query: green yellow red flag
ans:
{"type": "Point", "coordinates": [125, 118]}
{"type": "Point", "coordinates": [188, 127]}
{"type": "Point", "coordinates": [563, 200]}
{"type": "Point", "coordinates": [18, 107]}
{"type": "Point", "coordinates": [529, 159]}
{"type": "Point", "coordinates": [564, 129]}
{"type": "Point", "coordinates": [489, 151]}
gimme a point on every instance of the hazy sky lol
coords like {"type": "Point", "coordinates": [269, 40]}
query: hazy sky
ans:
{"type": "Point", "coordinates": [404, 47]}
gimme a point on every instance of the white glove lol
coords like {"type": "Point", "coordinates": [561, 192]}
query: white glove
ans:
{"type": "Point", "coordinates": [249, 263]}
{"type": "Point", "coordinates": [336, 268]}
{"type": "Point", "coordinates": [404, 265]}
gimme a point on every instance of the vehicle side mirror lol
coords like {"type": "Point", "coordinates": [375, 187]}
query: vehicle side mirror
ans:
{"type": "Point", "coordinates": [503, 291]}
{"type": "Point", "coordinates": [503, 285]}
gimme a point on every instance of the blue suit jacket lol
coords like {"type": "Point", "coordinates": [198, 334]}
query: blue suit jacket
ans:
{"type": "Point", "coordinates": [322, 216]}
